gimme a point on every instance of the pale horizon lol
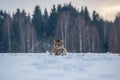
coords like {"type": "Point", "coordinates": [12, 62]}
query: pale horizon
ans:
{"type": "Point", "coordinates": [107, 9]}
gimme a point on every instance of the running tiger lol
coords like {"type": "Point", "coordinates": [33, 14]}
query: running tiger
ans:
{"type": "Point", "coordinates": [58, 48]}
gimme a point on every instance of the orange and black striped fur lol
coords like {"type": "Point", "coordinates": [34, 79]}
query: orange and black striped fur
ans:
{"type": "Point", "coordinates": [58, 47]}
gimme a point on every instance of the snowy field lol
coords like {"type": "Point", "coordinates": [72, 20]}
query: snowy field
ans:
{"type": "Point", "coordinates": [32, 66]}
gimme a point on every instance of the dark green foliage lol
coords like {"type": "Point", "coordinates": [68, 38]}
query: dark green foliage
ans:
{"type": "Point", "coordinates": [45, 26]}
{"type": "Point", "coordinates": [70, 8]}
{"type": "Point", "coordinates": [38, 22]}
{"type": "Point", "coordinates": [52, 21]}
{"type": "Point", "coordinates": [59, 9]}
{"type": "Point", "coordinates": [99, 23]}
{"type": "Point", "coordinates": [96, 20]}
{"type": "Point", "coordinates": [15, 47]}
{"type": "Point", "coordinates": [15, 32]}
{"type": "Point", "coordinates": [15, 28]}
{"type": "Point", "coordinates": [3, 43]}
{"type": "Point", "coordinates": [86, 15]}
{"type": "Point", "coordinates": [105, 46]}
{"type": "Point", "coordinates": [82, 11]}
{"type": "Point", "coordinates": [1, 23]}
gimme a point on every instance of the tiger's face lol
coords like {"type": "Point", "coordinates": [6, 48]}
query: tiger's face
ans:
{"type": "Point", "coordinates": [58, 44]}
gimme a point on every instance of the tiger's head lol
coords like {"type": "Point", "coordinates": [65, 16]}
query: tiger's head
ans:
{"type": "Point", "coordinates": [58, 44]}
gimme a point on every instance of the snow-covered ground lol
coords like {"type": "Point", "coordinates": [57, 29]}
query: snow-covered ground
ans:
{"type": "Point", "coordinates": [32, 66]}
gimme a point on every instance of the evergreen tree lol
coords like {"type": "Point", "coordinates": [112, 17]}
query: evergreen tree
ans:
{"type": "Point", "coordinates": [82, 11]}
{"type": "Point", "coordinates": [45, 16]}
{"type": "Point", "coordinates": [70, 8]}
{"type": "Point", "coordinates": [52, 21]}
{"type": "Point", "coordinates": [99, 23]}
{"type": "Point", "coordinates": [1, 25]}
{"type": "Point", "coordinates": [95, 17]}
{"type": "Point", "coordinates": [18, 11]}
{"type": "Point", "coordinates": [15, 32]}
{"type": "Point", "coordinates": [45, 23]}
{"type": "Point", "coordinates": [59, 9]}
{"type": "Point", "coordinates": [28, 17]}
{"type": "Point", "coordinates": [38, 22]}
{"type": "Point", "coordinates": [105, 46]}
{"type": "Point", "coordinates": [87, 16]}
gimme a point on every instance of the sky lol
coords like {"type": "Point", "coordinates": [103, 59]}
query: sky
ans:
{"type": "Point", "coordinates": [106, 8]}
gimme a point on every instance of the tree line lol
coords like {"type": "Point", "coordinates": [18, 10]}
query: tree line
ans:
{"type": "Point", "coordinates": [79, 31]}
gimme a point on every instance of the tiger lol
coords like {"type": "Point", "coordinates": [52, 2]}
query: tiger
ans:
{"type": "Point", "coordinates": [58, 48]}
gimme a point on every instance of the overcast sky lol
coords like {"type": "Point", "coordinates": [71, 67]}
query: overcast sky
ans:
{"type": "Point", "coordinates": [106, 8]}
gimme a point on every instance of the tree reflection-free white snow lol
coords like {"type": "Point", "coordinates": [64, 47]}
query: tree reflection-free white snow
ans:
{"type": "Point", "coordinates": [21, 66]}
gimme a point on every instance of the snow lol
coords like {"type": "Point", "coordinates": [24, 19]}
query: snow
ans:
{"type": "Point", "coordinates": [41, 66]}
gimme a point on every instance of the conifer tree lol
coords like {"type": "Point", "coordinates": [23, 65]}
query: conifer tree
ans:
{"type": "Point", "coordinates": [45, 24]}
{"type": "Point", "coordinates": [86, 15]}
{"type": "Point", "coordinates": [38, 22]}
{"type": "Point", "coordinates": [1, 25]}
{"type": "Point", "coordinates": [52, 21]}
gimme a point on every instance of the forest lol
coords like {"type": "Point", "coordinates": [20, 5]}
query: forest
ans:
{"type": "Point", "coordinates": [81, 33]}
